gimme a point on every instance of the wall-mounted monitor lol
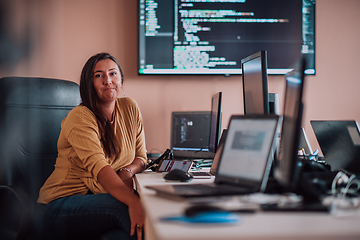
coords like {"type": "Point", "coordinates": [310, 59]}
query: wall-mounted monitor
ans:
{"type": "Point", "coordinates": [211, 37]}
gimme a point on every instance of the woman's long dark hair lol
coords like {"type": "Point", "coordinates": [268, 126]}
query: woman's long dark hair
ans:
{"type": "Point", "coordinates": [90, 99]}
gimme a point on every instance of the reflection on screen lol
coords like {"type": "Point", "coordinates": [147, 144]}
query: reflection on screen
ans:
{"type": "Point", "coordinates": [248, 140]}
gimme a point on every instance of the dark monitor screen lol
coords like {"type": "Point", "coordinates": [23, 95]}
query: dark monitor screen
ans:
{"type": "Point", "coordinates": [215, 121]}
{"type": "Point", "coordinates": [212, 36]}
{"type": "Point", "coordinates": [286, 171]}
{"type": "Point", "coordinates": [255, 86]}
{"type": "Point", "coordinates": [190, 133]}
{"type": "Point", "coordinates": [339, 141]}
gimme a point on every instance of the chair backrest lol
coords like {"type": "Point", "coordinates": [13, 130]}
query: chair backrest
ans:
{"type": "Point", "coordinates": [31, 112]}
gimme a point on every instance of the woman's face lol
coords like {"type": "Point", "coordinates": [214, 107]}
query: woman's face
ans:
{"type": "Point", "coordinates": [107, 80]}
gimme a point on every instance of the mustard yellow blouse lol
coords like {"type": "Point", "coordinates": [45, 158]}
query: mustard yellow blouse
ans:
{"type": "Point", "coordinates": [80, 152]}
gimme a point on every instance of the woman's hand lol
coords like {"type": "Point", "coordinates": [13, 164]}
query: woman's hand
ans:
{"type": "Point", "coordinates": [108, 178]}
{"type": "Point", "coordinates": [137, 218]}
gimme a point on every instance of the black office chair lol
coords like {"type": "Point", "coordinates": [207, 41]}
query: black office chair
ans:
{"type": "Point", "coordinates": [31, 111]}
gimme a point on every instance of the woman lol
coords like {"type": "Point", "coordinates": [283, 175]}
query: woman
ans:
{"type": "Point", "coordinates": [101, 146]}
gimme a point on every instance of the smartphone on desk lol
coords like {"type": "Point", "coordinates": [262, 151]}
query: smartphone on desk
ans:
{"type": "Point", "coordinates": [167, 165]}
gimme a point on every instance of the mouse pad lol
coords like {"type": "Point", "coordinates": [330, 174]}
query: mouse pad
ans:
{"type": "Point", "coordinates": [206, 218]}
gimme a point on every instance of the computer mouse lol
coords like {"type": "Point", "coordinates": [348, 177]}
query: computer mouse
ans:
{"type": "Point", "coordinates": [200, 209]}
{"type": "Point", "coordinates": [178, 175]}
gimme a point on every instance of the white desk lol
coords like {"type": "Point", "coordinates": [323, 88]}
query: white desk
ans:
{"type": "Point", "coordinates": [260, 225]}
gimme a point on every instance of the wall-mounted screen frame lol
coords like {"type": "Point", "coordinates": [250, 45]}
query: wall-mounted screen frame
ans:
{"type": "Point", "coordinates": [210, 37]}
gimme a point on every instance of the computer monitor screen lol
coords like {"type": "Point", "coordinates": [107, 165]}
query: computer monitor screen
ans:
{"type": "Point", "coordinates": [190, 134]}
{"type": "Point", "coordinates": [339, 141]}
{"type": "Point", "coordinates": [215, 121]}
{"type": "Point", "coordinates": [287, 168]}
{"type": "Point", "coordinates": [211, 37]}
{"type": "Point", "coordinates": [255, 86]}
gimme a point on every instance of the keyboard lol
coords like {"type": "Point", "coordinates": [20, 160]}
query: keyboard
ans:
{"type": "Point", "coordinates": [200, 174]}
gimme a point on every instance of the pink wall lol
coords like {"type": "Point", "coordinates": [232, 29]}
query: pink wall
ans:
{"type": "Point", "coordinates": [67, 32]}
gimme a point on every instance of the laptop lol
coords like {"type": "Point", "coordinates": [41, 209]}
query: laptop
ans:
{"type": "Point", "coordinates": [245, 161]}
{"type": "Point", "coordinates": [339, 142]}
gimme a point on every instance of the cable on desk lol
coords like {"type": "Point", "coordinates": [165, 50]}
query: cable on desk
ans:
{"type": "Point", "coordinates": [352, 180]}
{"type": "Point", "coordinates": [201, 163]}
{"type": "Point", "coordinates": [341, 203]}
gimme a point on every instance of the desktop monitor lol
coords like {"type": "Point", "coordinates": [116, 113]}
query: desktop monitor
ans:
{"type": "Point", "coordinates": [215, 122]}
{"type": "Point", "coordinates": [255, 86]}
{"type": "Point", "coordinates": [287, 166]}
{"type": "Point", "coordinates": [190, 134]}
